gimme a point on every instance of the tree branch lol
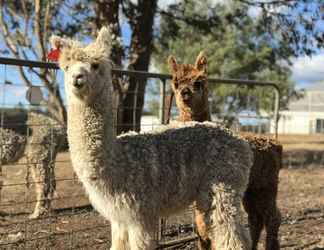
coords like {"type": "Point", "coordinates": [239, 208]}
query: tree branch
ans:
{"type": "Point", "coordinates": [264, 3]}
{"type": "Point", "coordinates": [38, 29]}
{"type": "Point", "coordinates": [5, 32]}
{"type": "Point", "coordinates": [196, 21]}
{"type": "Point", "coordinates": [55, 103]}
{"type": "Point", "coordinates": [47, 19]}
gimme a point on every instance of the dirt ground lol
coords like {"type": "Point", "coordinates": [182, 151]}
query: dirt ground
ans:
{"type": "Point", "coordinates": [74, 225]}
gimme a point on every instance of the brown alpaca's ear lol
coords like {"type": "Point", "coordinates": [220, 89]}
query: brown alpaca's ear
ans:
{"type": "Point", "coordinates": [201, 62]}
{"type": "Point", "coordinates": [172, 62]}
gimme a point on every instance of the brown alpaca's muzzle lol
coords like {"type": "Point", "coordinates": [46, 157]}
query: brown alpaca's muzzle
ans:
{"type": "Point", "coordinates": [186, 94]}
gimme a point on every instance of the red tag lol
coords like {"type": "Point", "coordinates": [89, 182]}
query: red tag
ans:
{"type": "Point", "coordinates": [54, 55]}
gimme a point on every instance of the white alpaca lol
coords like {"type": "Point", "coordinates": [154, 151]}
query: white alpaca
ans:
{"type": "Point", "coordinates": [134, 179]}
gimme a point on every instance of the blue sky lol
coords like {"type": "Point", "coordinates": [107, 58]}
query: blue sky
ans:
{"type": "Point", "coordinates": [308, 70]}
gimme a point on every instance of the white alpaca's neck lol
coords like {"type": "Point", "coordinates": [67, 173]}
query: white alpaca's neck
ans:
{"type": "Point", "coordinates": [91, 135]}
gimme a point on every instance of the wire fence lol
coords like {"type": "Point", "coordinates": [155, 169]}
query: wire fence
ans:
{"type": "Point", "coordinates": [42, 203]}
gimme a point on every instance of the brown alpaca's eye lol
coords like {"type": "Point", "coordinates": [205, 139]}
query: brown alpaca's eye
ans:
{"type": "Point", "coordinates": [95, 66]}
{"type": "Point", "coordinates": [176, 85]}
{"type": "Point", "coordinates": [197, 85]}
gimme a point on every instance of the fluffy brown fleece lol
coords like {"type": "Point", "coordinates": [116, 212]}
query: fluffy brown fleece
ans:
{"type": "Point", "coordinates": [190, 87]}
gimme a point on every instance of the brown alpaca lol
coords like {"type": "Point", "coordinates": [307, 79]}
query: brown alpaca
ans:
{"type": "Point", "coordinates": [190, 87]}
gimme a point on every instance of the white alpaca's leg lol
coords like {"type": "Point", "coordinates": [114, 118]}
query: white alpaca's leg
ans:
{"type": "Point", "coordinates": [226, 227]}
{"type": "Point", "coordinates": [142, 237]}
{"type": "Point", "coordinates": [119, 237]}
{"type": "Point", "coordinates": [44, 178]}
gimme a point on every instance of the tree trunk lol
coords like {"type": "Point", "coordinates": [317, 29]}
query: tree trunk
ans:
{"type": "Point", "coordinates": [107, 13]}
{"type": "Point", "coordinates": [140, 53]}
{"type": "Point", "coordinates": [141, 20]}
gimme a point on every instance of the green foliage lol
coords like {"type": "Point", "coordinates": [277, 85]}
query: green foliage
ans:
{"type": "Point", "coordinates": [235, 48]}
{"type": "Point", "coordinates": [294, 25]}
{"type": "Point", "coordinates": [237, 45]}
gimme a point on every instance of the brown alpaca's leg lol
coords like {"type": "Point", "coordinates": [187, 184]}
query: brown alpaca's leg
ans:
{"type": "Point", "coordinates": [272, 224]}
{"type": "Point", "coordinates": [255, 225]}
{"type": "Point", "coordinates": [203, 240]}
{"type": "Point", "coordinates": [255, 217]}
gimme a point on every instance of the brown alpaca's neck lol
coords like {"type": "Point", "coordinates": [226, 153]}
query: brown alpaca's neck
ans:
{"type": "Point", "coordinates": [199, 114]}
{"type": "Point", "coordinates": [187, 116]}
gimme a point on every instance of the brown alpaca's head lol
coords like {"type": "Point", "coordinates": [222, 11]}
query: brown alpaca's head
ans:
{"type": "Point", "coordinates": [190, 87]}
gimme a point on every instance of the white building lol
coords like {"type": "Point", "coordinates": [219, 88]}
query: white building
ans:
{"type": "Point", "coordinates": [306, 115]}
{"type": "Point", "coordinates": [149, 123]}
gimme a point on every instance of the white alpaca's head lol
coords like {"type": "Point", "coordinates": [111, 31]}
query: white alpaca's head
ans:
{"type": "Point", "coordinates": [87, 69]}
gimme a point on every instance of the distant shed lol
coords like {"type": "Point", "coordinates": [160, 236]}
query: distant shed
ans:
{"type": "Point", "coordinates": [305, 115]}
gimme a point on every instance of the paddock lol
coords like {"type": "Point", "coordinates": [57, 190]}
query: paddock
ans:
{"type": "Point", "coordinates": [75, 225]}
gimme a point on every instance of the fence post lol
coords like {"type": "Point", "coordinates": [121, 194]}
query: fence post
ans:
{"type": "Point", "coordinates": [161, 229]}
{"type": "Point", "coordinates": [276, 111]}
{"type": "Point", "coordinates": [162, 101]}
{"type": "Point", "coordinates": [2, 87]}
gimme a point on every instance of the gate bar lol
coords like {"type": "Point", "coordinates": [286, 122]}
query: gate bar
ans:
{"type": "Point", "coordinates": [163, 77]}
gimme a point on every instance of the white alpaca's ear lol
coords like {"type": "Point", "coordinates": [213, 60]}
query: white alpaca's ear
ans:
{"type": "Point", "coordinates": [201, 62]}
{"type": "Point", "coordinates": [172, 62]}
{"type": "Point", "coordinates": [104, 39]}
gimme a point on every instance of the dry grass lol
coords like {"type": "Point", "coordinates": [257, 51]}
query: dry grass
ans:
{"type": "Point", "coordinates": [302, 142]}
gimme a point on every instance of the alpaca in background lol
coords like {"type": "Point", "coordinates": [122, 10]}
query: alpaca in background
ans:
{"type": "Point", "coordinates": [46, 138]}
{"type": "Point", "coordinates": [190, 86]}
{"type": "Point", "coordinates": [133, 179]}
{"type": "Point", "coordinates": [40, 147]}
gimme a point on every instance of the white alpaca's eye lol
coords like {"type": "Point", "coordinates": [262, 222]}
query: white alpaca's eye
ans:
{"type": "Point", "coordinates": [95, 66]}
{"type": "Point", "coordinates": [66, 67]}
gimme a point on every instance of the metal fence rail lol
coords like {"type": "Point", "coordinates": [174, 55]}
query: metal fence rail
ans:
{"type": "Point", "coordinates": [163, 78]}
{"type": "Point", "coordinates": [72, 224]}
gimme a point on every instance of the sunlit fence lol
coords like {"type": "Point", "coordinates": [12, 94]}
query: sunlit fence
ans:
{"type": "Point", "coordinates": [250, 106]}
{"type": "Point", "coordinates": [68, 221]}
